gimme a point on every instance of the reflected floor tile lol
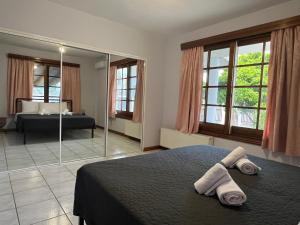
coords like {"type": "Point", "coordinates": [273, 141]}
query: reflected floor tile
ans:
{"type": "Point", "coordinates": [67, 202]}
{"type": "Point", "coordinates": [60, 220]}
{"type": "Point", "coordinates": [61, 189]}
{"type": "Point", "coordinates": [4, 178]}
{"type": "Point", "coordinates": [9, 217]}
{"type": "Point", "coordinates": [42, 211]}
{"type": "Point", "coordinates": [29, 183]}
{"type": "Point", "coordinates": [6, 202]}
{"type": "Point", "coordinates": [24, 174]}
{"type": "Point", "coordinates": [33, 196]}
{"type": "Point", "coordinates": [5, 188]}
{"type": "Point", "coordinates": [52, 170]}
{"type": "Point", "coordinates": [59, 178]}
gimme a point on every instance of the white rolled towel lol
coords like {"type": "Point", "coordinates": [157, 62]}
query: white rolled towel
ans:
{"type": "Point", "coordinates": [230, 160]}
{"type": "Point", "coordinates": [214, 177]}
{"type": "Point", "coordinates": [247, 167]}
{"type": "Point", "coordinates": [230, 193]}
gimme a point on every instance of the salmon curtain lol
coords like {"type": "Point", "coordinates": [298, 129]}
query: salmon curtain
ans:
{"type": "Point", "coordinates": [188, 114]}
{"type": "Point", "coordinates": [282, 128]}
{"type": "Point", "coordinates": [20, 73]}
{"type": "Point", "coordinates": [71, 86]}
{"type": "Point", "coordinates": [138, 102]}
{"type": "Point", "coordinates": [112, 92]}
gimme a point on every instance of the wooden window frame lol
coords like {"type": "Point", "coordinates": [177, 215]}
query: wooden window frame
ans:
{"type": "Point", "coordinates": [126, 63]}
{"type": "Point", "coordinates": [249, 135]}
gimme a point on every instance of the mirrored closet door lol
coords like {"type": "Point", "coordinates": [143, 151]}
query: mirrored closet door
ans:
{"type": "Point", "coordinates": [125, 105]}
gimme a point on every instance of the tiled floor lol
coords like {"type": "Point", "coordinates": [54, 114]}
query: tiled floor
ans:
{"type": "Point", "coordinates": [44, 150]}
{"type": "Point", "coordinates": [41, 196]}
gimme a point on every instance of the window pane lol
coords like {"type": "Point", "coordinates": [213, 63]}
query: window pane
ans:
{"type": "Point", "coordinates": [250, 54]}
{"type": "Point", "coordinates": [53, 81]}
{"type": "Point", "coordinates": [248, 76]}
{"type": "Point", "coordinates": [203, 94]}
{"type": "Point", "coordinates": [244, 118]}
{"type": "Point", "coordinates": [133, 71]}
{"type": "Point", "coordinates": [219, 57]}
{"type": "Point", "coordinates": [123, 105]}
{"type": "Point", "coordinates": [247, 97]}
{"type": "Point", "coordinates": [124, 83]}
{"type": "Point", "coordinates": [119, 74]}
{"type": "Point", "coordinates": [262, 119]}
{"type": "Point", "coordinates": [202, 113]}
{"type": "Point", "coordinates": [53, 99]}
{"type": "Point", "coordinates": [54, 91]}
{"type": "Point", "coordinates": [216, 96]}
{"type": "Point", "coordinates": [131, 106]}
{"type": "Point", "coordinates": [54, 71]}
{"type": "Point", "coordinates": [124, 94]}
{"type": "Point", "coordinates": [205, 58]}
{"type": "Point", "coordinates": [38, 81]}
{"type": "Point", "coordinates": [119, 95]}
{"type": "Point", "coordinates": [125, 72]}
{"type": "Point", "coordinates": [133, 82]}
{"type": "Point", "coordinates": [267, 52]}
{"type": "Point", "coordinates": [118, 105]}
{"type": "Point", "coordinates": [37, 99]}
{"type": "Point", "coordinates": [215, 114]}
{"type": "Point", "coordinates": [39, 69]}
{"type": "Point", "coordinates": [265, 76]}
{"type": "Point", "coordinates": [263, 98]}
{"type": "Point", "coordinates": [38, 91]}
{"type": "Point", "coordinates": [119, 84]}
{"type": "Point", "coordinates": [132, 95]}
{"type": "Point", "coordinates": [204, 80]}
{"type": "Point", "coordinates": [218, 77]}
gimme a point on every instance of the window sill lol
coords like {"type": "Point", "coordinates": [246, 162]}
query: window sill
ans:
{"type": "Point", "coordinates": [233, 137]}
{"type": "Point", "coordinates": [124, 116]}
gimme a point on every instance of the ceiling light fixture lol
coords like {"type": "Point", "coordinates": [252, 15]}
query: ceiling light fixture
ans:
{"type": "Point", "coordinates": [62, 49]}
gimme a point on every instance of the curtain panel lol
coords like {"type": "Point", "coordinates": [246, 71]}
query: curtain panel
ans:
{"type": "Point", "coordinates": [20, 73]}
{"type": "Point", "coordinates": [112, 92]}
{"type": "Point", "coordinates": [71, 86]}
{"type": "Point", "coordinates": [188, 114]}
{"type": "Point", "coordinates": [282, 127]}
{"type": "Point", "coordinates": [138, 102]}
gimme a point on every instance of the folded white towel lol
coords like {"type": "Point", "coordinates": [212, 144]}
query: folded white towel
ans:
{"type": "Point", "coordinates": [214, 177]}
{"type": "Point", "coordinates": [231, 159]}
{"type": "Point", "coordinates": [247, 167]}
{"type": "Point", "coordinates": [230, 193]}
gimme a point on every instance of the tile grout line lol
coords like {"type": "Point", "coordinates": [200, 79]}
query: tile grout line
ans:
{"type": "Point", "coordinates": [13, 194]}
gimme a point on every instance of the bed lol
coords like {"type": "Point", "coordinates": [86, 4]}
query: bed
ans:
{"type": "Point", "coordinates": [35, 122]}
{"type": "Point", "coordinates": [157, 188]}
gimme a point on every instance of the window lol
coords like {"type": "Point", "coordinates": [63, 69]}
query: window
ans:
{"type": "Point", "coordinates": [234, 91]}
{"type": "Point", "coordinates": [126, 87]}
{"type": "Point", "coordinates": [46, 84]}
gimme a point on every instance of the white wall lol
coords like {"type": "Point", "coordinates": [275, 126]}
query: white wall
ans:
{"type": "Point", "coordinates": [90, 97]}
{"type": "Point", "coordinates": [173, 54]}
{"type": "Point", "coordinates": [55, 21]}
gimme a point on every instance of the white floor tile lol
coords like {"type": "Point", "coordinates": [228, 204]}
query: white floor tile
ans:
{"type": "Point", "coordinates": [38, 212]}
{"type": "Point", "coordinates": [59, 178]}
{"type": "Point", "coordinates": [60, 220]}
{"type": "Point", "coordinates": [29, 183]}
{"type": "Point", "coordinates": [24, 174]}
{"type": "Point", "coordinates": [5, 188]}
{"type": "Point", "coordinates": [9, 217]}
{"type": "Point", "coordinates": [67, 202]}
{"type": "Point", "coordinates": [65, 188]}
{"type": "Point", "coordinates": [6, 202]}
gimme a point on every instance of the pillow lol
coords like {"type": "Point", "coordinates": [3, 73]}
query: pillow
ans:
{"type": "Point", "coordinates": [51, 108]}
{"type": "Point", "coordinates": [30, 107]}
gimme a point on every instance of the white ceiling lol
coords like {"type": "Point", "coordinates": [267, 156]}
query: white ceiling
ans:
{"type": "Point", "coordinates": [168, 16]}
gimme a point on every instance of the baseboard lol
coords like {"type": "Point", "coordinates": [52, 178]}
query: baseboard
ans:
{"type": "Point", "coordinates": [155, 147]}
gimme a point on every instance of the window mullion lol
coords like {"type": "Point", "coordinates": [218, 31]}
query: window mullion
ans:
{"type": "Point", "coordinates": [206, 85]}
{"type": "Point", "coordinates": [46, 84]}
{"type": "Point", "coordinates": [230, 87]}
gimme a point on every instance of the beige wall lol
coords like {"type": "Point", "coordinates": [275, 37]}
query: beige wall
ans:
{"type": "Point", "coordinates": [91, 79]}
{"type": "Point", "coordinates": [172, 64]}
{"type": "Point", "coordinates": [55, 21]}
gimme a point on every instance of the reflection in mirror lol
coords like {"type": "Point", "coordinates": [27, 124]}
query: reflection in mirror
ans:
{"type": "Point", "coordinates": [84, 82]}
{"type": "Point", "coordinates": [29, 108]}
{"type": "Point", "coordinates": [125, 103]}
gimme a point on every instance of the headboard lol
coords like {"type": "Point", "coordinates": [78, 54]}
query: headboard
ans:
{"type": "Point", "coordinates": [19, 103]}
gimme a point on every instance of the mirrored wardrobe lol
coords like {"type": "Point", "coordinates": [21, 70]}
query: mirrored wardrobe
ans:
{"type": "Point", "coordinates": [62, 103]}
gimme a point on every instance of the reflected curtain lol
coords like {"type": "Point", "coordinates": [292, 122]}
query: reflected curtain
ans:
{"type": "Point", "coordinates": [282, 127]}
{"type": "Point", "coordinates": [188, 114]}
{"type": "Point", "coordinates": [138, 102]}
{"type": "Point", "coordinates": [20, 73]}
{"type": "Point", "coordinates": [112, 92]}
{"type": "Point", "coordinates": [71, 86]}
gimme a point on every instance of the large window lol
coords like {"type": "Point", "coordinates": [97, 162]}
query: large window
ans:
{"type": "Point", "coordinates": [46, 85]}
{"type": "Point", "coordinates": [126, 87]}
{"type": "Point", "coordinates": [235, 88]}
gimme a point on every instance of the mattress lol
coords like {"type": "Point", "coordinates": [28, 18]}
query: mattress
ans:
{"type": "Point", "coordinates": [33, 122]}
{"type": "Point", "coordinates": [157, 188]}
